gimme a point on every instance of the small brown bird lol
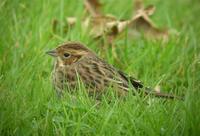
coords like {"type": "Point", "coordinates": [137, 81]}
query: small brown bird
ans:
{"type": "Point", "coordinates": [75, 62]}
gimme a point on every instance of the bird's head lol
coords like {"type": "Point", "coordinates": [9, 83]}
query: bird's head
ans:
{"type": "Point", "coordinates": [69, 53]}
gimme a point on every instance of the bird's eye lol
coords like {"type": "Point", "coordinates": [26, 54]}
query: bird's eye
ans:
{"type": "Point", "coordinates": [66, 55]}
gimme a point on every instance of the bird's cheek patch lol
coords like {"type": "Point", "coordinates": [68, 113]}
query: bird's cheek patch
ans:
{"type": "Point", "coordinates": [69, 61]}
{"type": "Point", "coordinates": [73, 59]}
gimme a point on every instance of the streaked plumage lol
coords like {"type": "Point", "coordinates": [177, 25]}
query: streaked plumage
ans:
{"type": "Point", "coordinates": [75, 60]}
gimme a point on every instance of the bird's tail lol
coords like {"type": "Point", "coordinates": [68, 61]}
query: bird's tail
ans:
{"type": "Point", "coordinates": [138, 85]}
{"type": "Point", "coordinates": [153, 92]}
{"type": "Point", "coordinates": [149, 91]}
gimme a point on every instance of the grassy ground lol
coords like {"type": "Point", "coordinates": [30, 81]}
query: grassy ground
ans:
{"type": "Point", "coordinates": [29, 105]}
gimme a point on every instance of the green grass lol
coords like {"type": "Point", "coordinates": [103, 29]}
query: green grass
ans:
{"type": "Point", "coordinates": [29, 105]}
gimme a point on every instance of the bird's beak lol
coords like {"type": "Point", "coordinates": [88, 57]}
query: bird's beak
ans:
{"type": "Point", "coordinates": [52, 53]}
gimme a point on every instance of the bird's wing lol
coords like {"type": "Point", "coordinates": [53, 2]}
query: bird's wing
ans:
{"type": "Point", "coordinates": [119, 77]}
{"type": "Point", "coordinates": [134, 82]}
{"type": "Point", "coordinates": [101, 71]}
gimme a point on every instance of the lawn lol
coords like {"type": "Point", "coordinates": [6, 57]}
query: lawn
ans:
{"type": "Point", "coordinates": [30, 106]}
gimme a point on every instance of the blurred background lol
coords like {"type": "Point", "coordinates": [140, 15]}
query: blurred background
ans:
{"type": "Point", "coordinates": [28, 103]}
